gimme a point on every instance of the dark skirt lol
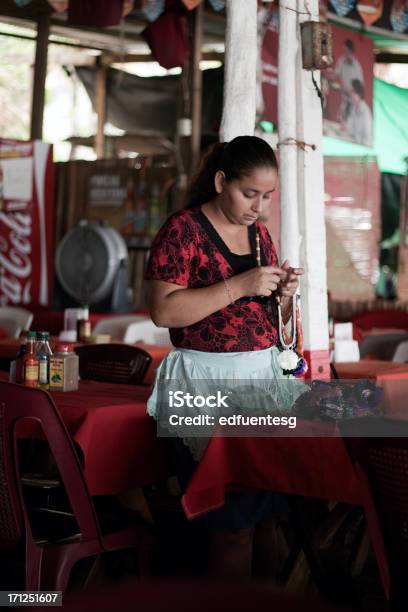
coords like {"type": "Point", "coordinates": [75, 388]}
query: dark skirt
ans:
{"type": "Point", "coordinates": [241, 510]}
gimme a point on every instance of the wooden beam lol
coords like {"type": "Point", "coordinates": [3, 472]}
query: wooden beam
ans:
{"type": "Point", "coordinates": [115, 58]}
{"type": "Point", "coordinates": [39, 77]}
{"type": "Point", "coordinates": [391, 58]}
{"type": "Point", "coordinates": [196, 87]}
{"type": "Point", "coordinates": [100, 108]}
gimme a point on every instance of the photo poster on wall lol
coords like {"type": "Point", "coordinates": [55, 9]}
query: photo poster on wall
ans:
{"type": "Point", "coordinates": [26, 223]}
{"type": "Point", "coordinates": [347, 86]}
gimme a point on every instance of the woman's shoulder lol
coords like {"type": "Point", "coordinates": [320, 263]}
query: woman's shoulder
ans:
{"type": "Point", "coordinates": [179, 228]}
{"type": "Point", "coordinates": [181, 218]}
{"type": "Point", "coordinates": [263, 231]}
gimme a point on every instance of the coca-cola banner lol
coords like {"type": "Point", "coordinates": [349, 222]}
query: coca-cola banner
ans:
{"type": "Point", "coordinates": [26, 222]}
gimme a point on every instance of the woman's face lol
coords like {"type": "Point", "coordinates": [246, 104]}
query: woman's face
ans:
{"type": "Point", "coordinates": [243, 200]}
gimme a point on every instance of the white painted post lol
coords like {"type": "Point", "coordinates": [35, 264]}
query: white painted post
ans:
{"type": "Point", "coordinates": [288, 51]}
{"type": "Point", "coordinates": [239, 111]}
{"type": "Point", "coordinates": [311, 209]}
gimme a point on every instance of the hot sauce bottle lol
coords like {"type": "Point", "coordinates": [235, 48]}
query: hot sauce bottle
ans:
{"type": "Point", "coordinates": [19, 359]}
{"type": "Point", "coordinates": [30, 362]}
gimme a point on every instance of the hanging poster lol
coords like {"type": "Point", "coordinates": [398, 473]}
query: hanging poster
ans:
{"type": "Point", "coordinates": [342, 7]}
{"type": "Point", "coordinates": [399, 16]}
{"type": "Point", "coordinates": [348, 88]}
{"type": "Point", "coordinates": [269, 64]}
{"type": "Point", "coordinates": [26, 222]}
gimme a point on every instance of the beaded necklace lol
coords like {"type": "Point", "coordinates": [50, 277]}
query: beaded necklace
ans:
{"type": "Point", "coordinates": [290, 360]}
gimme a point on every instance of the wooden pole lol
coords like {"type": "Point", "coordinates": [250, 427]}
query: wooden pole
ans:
{"type": "Point", "coordinates": [241, 51]}
{"type": "Point", "coordinates": [39, 77]}
{"type": "Point", "coordinates": [196, 86]}
{"type": "Point", "coordinates": [100, 108]}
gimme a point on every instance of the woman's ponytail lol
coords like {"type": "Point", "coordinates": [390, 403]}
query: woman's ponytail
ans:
{"type": "Point", "coordinates": [202, 187]}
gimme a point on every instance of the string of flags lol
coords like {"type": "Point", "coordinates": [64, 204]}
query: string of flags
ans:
{"type": "Point", "coordinates": [395, 13]}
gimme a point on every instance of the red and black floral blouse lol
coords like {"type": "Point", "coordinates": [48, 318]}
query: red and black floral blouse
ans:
{"type": "Point", "coordinates": [189, 252]}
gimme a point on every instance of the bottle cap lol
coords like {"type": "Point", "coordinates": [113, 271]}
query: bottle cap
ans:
{"type": "Point", "coordinates": [64, 347]}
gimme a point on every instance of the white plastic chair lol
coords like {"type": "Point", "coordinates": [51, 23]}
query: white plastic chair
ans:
{"type": "Point", "coordinates": [14, 320]}
{"type": "Point", "coordinates": [132, 329]}
{"type": "Point", "coordinates": [383, 346]}
{"type": "Point", "coordinates": [401, 353]}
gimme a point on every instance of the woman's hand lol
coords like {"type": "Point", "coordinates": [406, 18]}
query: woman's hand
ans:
{"type": "Point", "coordinates": [263, 281]}
{"type": "Point", "coordinates": [290, 280]}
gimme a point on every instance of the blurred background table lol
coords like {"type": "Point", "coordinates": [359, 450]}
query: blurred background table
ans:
{"type": "Point", "coordinates": [9, 348]}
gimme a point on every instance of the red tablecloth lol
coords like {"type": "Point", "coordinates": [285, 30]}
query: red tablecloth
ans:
{"type": "Point", "coordinates": [313, 466]}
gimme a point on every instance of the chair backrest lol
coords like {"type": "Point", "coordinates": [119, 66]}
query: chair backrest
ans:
{"type": "Point", "coordinates": [382, 346]}
{"type": "Point", "coordinates": [18, 403]}
{"type": "Point", "coordinates": [15, 320]}
{"type": "Point", "coordinates": [148, 332]}
{"type": "Point", "coordinates": [116, 363]}
{"type": "Point", "coordinates": [378, 446]}
{"type": "Point", "coordinates": [401, 353]}
{"type": "Point", "coordinates": [133, 328]}
{"type": "Point", "coordinates": [117, 326]}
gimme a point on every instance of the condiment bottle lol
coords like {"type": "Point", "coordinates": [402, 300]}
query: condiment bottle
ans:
{"type": "Point", "coordinates": [30, 362]}
{"type": "Point", "coordinates": [19, 359]}
{"type": "Point", "coordinates": [84, 325]}
{"type": "Point", "coordinates": [44, 353]}
{"type": "Point", "coordinates": [64, 369]}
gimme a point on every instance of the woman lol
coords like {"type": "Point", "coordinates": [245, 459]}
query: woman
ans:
{"type": "Point", "coordinates": [207, 288]}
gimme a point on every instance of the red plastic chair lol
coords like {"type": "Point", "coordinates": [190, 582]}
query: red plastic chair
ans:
{"type": "Point", "coordinates": [48, 561]}
{"type": "Point", "coordinates": [378, 448]}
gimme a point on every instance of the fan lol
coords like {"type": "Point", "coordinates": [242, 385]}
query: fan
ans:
{"type": "Point", "coordinates": [91, 264]}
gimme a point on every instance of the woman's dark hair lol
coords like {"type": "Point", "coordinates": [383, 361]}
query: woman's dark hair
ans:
{"type": "Point", "coordinates": [237, 158]}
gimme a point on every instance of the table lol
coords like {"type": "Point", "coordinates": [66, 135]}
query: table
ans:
{"type": "Point", "coordinates": [116, 437]}
{"type": "Point", "coordinates": [373, 369]}
{"type": "Point", "coordinates": [298, 464]}
{"type": "Point", "coordinates": [9, 349]}
{"type": "Point", "coordinates": [392, 377]}
{"type": "Point", "coordinates": [309, 466]}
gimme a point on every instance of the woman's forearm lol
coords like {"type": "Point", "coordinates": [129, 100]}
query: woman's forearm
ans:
{"type": "Point", "coordinates": [184, 307]}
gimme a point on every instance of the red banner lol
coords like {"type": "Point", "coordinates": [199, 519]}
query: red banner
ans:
{"type": "Point", "coordinates": [353, 226]}
{"type": "Point", "coordinates": [26, 222]}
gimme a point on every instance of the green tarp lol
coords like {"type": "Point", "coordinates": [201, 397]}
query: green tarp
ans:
{"type": "Point", "coordinates": [390, 131]}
